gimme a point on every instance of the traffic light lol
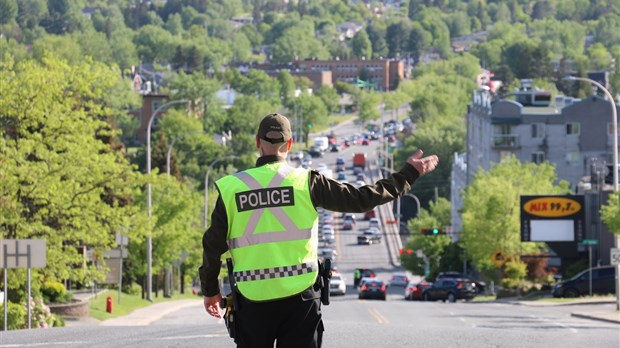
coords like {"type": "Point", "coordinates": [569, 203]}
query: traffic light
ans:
{"type": "Point", "coordinates": [431, 231]}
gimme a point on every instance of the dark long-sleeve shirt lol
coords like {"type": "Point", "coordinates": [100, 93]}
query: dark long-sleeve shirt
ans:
{"type": "Point", "coordinates": [324, 192]}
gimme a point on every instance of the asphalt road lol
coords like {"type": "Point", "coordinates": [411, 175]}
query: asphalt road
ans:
{"type": "Point", "coordinates": [357, 323]}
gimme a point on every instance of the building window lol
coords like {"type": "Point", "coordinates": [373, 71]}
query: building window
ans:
{"type": "Point", "coordinates": [538, 130]}
{"type": "Point", "coordinates": [538, 157]}
{"type": "Point", "coordinates": [572, 158]}
{"type": "Point", "coordinates": [572, 128]}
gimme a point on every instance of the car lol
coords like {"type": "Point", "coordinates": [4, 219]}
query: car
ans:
{"type": "Point", "coordinates": [363, 273]}
{"type": "Point", "coordinates": [398, 280]}
{"type": "Point", "coordinates": [450, 289]}
{"type": "Point", "coordinates": [341, 175]}
{"type": "Point", "coordinates": [347, 225]}
{"type": "Point", "coordinates": [370, 214]}
{"type": "Point", "coordinates": [297, 156]}
{"type": "Point", "coordinates": [360, 177]}
{"type": "Point", "coordinates": [334, 148]}
{"type": "Point", "coordinates": [603, 283]}
{"type": "Point", "coordinates": [327, 229]}
{"type": "Point", "coordinates": [340, 160]}
{"type": "Point", "coordinates": [369, 236]}
{"type": "Point", "coordinates": [373, 288]}
{"type": "Point", "coordinates": [337, 285]}
{"type": "Point", "coordinates": [348, 216]}
{"type": "Point", "coordinates": [413, 291]}
{"type": "Point", "coordinates": [328, 253]}
{"type": "Point", "coordinates": [315, 152]}
{"type": "Point", "coordinates": [480, 285]}
{"type": "Point", "coordinates": [340, 168]}
{"type": "Point", "coordinates": [321, 166]}
{"type": "Point", "coordinates": [374, 222]}
{"type": "Point", "coordinates": [365, 142]}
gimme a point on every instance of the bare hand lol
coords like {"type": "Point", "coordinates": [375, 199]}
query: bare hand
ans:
{"type": "Point", "coordinates": [423, 165]}
{"type": "Point", "coordinates": [212, 305]}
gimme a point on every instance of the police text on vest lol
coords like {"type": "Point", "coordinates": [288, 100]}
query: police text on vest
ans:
{"type": "Point", "coordinates": [265, 198]}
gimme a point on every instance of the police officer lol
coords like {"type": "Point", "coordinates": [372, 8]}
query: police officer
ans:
{"type": "Point", "coordinates": [266, 216]}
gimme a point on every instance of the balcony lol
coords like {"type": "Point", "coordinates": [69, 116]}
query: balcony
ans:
{"type": "Point", "coordinates": [506, 141]}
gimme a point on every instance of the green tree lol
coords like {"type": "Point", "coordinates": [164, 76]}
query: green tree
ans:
{"type": "Point", "coordinates": [330, 98]}
{"type": "Point", "coordinates": [176, 224]}
{"type": "Point", "coordinates": [62, 181]}
{"type": "Point", "coordinates": [30, 13]}
{"type": "Point", "coordinates": [610, 213]}
{"type": "Point", "coordinates": [8, 11]}
{"type": "Point", "coordinates": [368, 106]}
{"type": "Point", "coordinates": [433, 247]}
{"type": "Point", "coordinates": [419, 40]}
{"type": "Point", "coordinates": [376, 34]}
{"type": "Point", "coordinates": [198, 88]}
{"type": "Point", "coordinates": [491, 208]}
{"type": "Point", "coordinates": [361, 45]}
{"type": "Point", "coordinates": [287, 86]}
{"type": "Point", "coordinates": [312, 110]}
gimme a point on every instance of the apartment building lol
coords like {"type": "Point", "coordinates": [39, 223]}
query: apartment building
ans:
{"type": "Point", "coordinates": [567, 132]}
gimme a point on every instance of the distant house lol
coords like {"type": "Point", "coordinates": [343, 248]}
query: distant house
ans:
{"type": "Point", "coordinates": [88, 12]}
{"type": "Point", "coordinates": [347, 30]}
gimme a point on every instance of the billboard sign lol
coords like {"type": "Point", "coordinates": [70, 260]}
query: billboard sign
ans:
{"type": "Point", "coordinates": [552, 218]}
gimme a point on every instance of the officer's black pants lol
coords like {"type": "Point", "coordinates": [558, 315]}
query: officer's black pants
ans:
{"type": "Point", "coordinates": [292, 322]}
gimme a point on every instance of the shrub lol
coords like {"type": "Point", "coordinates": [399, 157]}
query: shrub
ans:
{"type": "Point", "coordinates": [54, 292]}
{"type": "Point", "coordinates": [16, 316]}
{"type": "Point", "coordinates": [132, 289]}
{"type": "Point", "coordinates": [514, 274]}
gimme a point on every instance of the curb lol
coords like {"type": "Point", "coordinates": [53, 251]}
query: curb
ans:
{"type": "Point", "coordinates": [600, 317]}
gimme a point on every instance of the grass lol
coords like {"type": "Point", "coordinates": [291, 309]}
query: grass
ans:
{"type": "Point", "coordinates": [129, 303]}
{"type": "Point", "coordinates": [484, 298]}
{"type": "Point", "coordinates": [568, 300]}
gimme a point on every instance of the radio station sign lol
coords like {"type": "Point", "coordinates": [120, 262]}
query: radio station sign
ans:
{"type": "Point", "coordinates": [552, 218]}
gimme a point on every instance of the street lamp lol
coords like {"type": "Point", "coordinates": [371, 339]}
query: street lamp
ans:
{"type": "Point", "coordinates": [149, 238]}
{"type": "Point", "coordinates": [614, 115]}
{"type": "Point", "coordinates": [206, 217]}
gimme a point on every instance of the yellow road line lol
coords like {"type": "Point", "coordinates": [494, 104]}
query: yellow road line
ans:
{"type": "Point", "coordinates": [378, 316]}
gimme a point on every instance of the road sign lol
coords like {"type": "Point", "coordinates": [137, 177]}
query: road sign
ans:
{"type": "Point", "coordinates": [23, 253]}
{"type": "Point", "coordinates": [499, 258]}
{"type": "Point", "coordinates": [615, 256]}
{"type": "Point", "coordinates": [589, 242]}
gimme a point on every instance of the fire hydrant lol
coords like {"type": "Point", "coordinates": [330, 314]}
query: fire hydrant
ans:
{"type": "Point", "coordinates": [108, 304]}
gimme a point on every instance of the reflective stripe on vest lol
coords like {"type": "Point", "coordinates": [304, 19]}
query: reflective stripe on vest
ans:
{"type": "Point", "coordinates": [275, 272]}
{"type": "Point", "coordinates": [291, 232]}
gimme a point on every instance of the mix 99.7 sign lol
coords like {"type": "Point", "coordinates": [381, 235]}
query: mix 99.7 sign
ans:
{"type": "Point", "coordinates": [552, 218]}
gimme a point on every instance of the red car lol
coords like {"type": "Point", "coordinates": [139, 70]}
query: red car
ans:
{"type": "Point", "coordinates": [414, 291]}
{"type": "Point", "coordinates": [370, 214]}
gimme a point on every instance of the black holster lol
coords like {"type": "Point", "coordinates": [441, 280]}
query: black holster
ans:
{"type": "Point", "coordinates": [325, 274]}
{"type": "Point", "coordinates": [231, 302]}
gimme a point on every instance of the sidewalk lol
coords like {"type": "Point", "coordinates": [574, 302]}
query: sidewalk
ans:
{"type": "Point", "coordinates": [607, 316]}
{"type": "Point", "coordinates": [140, 317]}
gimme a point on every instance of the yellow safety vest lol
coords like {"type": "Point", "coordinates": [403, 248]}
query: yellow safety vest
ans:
{"type": "Point", "coordinates": [272, 230]}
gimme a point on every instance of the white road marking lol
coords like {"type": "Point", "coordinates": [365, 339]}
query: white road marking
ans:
{"type": "Point", "coordinates": [191, 337]}
{"type": "Point", "coordinates": [45, 344]}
